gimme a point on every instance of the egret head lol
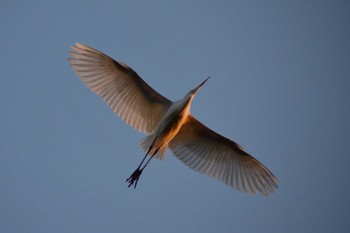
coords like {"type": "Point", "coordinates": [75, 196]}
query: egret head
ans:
{"type": "Point", "coordinates": [194, 91]}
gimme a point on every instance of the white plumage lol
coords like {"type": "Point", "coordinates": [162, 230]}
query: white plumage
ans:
{"type": "Point", "coordinates": [169, 124]}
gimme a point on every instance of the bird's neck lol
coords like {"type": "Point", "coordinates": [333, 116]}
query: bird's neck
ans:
{"type": "Point", "coordinates": [184, 105]}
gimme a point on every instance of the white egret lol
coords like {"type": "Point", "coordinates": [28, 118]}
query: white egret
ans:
{"type": "Point", "coordinates": [168, 124]}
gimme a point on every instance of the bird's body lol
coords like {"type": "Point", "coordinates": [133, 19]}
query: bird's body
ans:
{"type": "Point", "coordinates": [169, 124]}
{"type": "Point", "coordinates": [166, 130]}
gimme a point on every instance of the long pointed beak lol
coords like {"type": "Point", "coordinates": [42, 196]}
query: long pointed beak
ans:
{"type": "Point", "coordinates": [200, 85]}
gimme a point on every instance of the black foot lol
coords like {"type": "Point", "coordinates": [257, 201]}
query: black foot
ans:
{"type": "Point", "coordinates": [135, 176]}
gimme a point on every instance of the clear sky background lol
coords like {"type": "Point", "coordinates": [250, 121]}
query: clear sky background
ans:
{"type": "Point", "coordinates": [280, 87]}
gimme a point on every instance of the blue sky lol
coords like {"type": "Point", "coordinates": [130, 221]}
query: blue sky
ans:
{"type": "Point", "coordinates": [280, 87]}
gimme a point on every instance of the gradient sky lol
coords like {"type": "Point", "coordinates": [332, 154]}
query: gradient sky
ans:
{"type": "Point", "coordinates": [280, 87]}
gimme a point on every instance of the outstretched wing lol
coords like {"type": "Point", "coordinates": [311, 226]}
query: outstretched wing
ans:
{"type": "Point", "coordinates": [131, 98]}
{"type": "Point", "coordinates": [209, 153]}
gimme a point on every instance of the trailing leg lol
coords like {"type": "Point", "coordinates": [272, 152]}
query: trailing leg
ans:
{"type": "Point", "coordinates": [135, 176]}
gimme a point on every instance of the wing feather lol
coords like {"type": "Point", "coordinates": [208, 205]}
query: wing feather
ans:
{"type": "Point", "coordinates": [131, 98]}
{"type": "Point", "coordinates": [209, 153]}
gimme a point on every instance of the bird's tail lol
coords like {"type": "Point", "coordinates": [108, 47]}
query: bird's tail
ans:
{"type": "Point", "coordinates": [159, 152]}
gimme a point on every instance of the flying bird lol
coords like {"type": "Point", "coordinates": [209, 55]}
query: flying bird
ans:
{"type": "Point", "coordinates": [168, 124]}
